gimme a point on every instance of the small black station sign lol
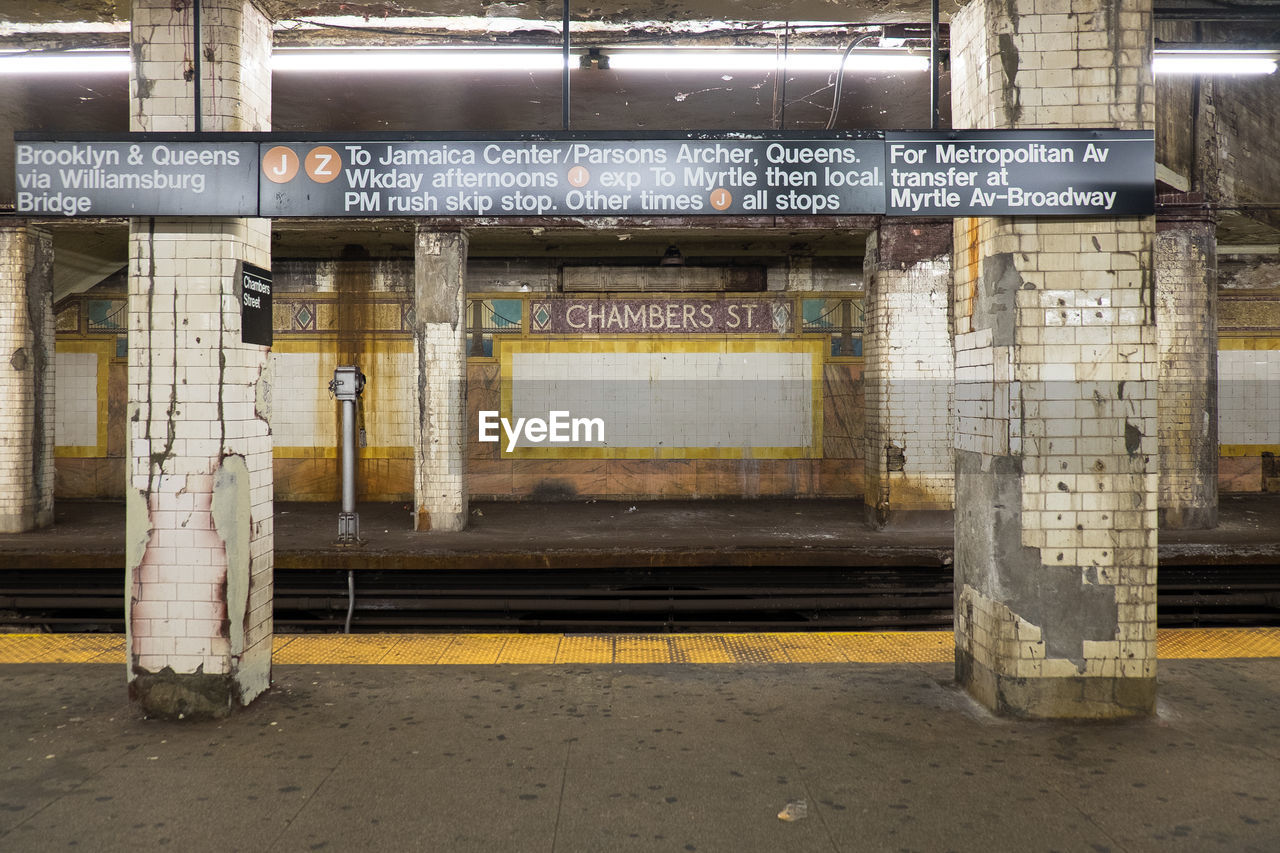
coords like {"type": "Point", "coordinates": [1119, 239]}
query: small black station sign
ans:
{"type": "Point", "coordinates": [253, 289]}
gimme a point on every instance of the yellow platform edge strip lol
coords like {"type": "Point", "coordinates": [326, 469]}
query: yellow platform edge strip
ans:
{"type": "Point", "coordinates": [549, 649]}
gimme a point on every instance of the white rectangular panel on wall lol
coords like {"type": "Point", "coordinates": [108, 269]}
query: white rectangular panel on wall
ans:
{"type": "Point", "coordinates": [76, 399]}
{"type": "Point", "coordinates": [680, 400]}
{"type": "Point", "coordinates": [299, 390]}
{"type": "Point", "coordinates": [1249, 396]}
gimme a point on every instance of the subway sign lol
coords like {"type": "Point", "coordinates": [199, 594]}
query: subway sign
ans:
{"type": "Point", "coordinates": [908, 173]}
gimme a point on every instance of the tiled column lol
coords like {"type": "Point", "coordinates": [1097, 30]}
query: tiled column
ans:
{"type": "Point", "coordinates": [199, 503]}
{"type": "Point", "coordinates": [1056, 469]}
{"type": "Point", "coordinates": [439, 347]}
{"type": "Point", "coordinates": [26, 391]}
{"type": "Point", "coordinates": [907, 353]}
{"type": "Point", "coordinates": [1187, 319]}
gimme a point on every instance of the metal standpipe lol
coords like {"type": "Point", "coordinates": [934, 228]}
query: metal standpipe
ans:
{"type": "Point", "coordinates": [347, 386]}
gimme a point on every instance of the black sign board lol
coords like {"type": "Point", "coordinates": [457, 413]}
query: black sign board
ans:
{"type": "Point", "coordinates": [253, 289]}
{"type": "Point", "coordinates": [1020, 173]}
{"type": "Point", "coordinates": [580, 177]}
{"type": "Point", "coordinates": [136, 178]}
{"type": "Point", "coordinates": [772, 173]}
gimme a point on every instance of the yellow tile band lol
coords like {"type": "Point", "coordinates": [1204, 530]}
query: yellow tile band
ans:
{"type": "Point", "coordinates": [487, 649]}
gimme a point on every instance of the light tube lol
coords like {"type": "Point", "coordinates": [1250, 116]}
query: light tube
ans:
{"type": "Point", "coordinates": [343, 60]}
{"type": "Point", "coordinates": [65, 62]}
{"type": "Point", "coordinates": [744, 61]}
{"type": "Point", "coordinates": [671, 59]}
{"type": "Point", "coordinates": [1207, 62]}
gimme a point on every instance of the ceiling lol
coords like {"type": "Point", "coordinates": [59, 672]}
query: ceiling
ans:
{"type": "Point", "coordinates": [486, 102]}
{"type": "Point", "coordinates": [876, 11]}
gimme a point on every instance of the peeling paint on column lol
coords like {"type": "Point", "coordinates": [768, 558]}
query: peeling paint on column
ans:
{"type": "Point", "coordinates": [232, 519]}
{"type": "Point", "coordinates": [1187, 308]}
{"type": "Point", "coordinates": [27, 384]}
{"type": "Point", "coordinates": [1055, 352]}
{"type": "Point", "coordinates": [439, 341]}
{"type": "Point", "coordinates": [907, 349]}
{"type": "Point", "coordinates": [997, 297]}
{"type": "Point", "coordinates": [1008, 51]}
{"type": "Point", "coordinates": [39, 288]}
{"type": "Point", "coordinates": [137, 536]}
{"type": "Point", "coordinates": [198, 507]}
{"type": "Point", "coordinates": [262, 396]}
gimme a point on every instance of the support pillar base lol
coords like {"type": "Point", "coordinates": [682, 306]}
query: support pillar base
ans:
{"type": "Point", "coordinates": [1076, 698]}
{"type": "Point", "coordinates": [186, 696]}
{"type": "Point", "coordinates": [909, 519]}
{"type": "Point", "coordinates": [439, 522]}
{"type": "Point", "coordinates": [1188, 518]}
{"type": "Point", "coordinates": [21, 522]}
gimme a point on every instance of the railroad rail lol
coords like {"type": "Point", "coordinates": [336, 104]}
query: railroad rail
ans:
{"type": "Point", "coordinates": [670, 600]}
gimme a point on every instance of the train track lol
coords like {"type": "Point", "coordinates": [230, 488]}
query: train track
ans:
{"type": "Point", "coordinates": [703, 599]}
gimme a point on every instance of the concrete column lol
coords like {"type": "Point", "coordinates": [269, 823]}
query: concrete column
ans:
{"type": "Point", "coordinates": [26, 392]}
{"type": "Point", "coordinates": [199, 498]}
{"type": "Point", "coordinates": [439, 346]}
{"type": "Point", "coordinates": [908, 371]}
{"type": "Point", "coordinates": [1056, 469]}
{"type": "Point", "coordinates": [1187, 319]}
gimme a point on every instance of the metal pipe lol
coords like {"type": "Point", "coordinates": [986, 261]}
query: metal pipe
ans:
{"type": "Point", "coordinates": [348, 455]}
{"type": "Point", "coordinates": [347, 384]}
{"type": "Point", "coordinates": [351, 598]}
{"type": "Point", "coordinates": [564, 72]}
{"type": "Point", "coordinates": [933, 65]}
{"type": "Point", "coordinates": [195, 26]}
{"type": "Point", "coordinates": [786, 50]}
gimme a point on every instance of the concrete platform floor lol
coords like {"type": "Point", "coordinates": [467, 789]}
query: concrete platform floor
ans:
{"type": "Point", "coordinates": [636, 758]}
{"type": "Point", "coordinates": [610, 534]}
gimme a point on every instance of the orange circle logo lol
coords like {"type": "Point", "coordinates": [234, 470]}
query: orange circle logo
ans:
{"type": "Point", "coordinates": [721, 199]}
{"type": "Point", "coordinates": [579, 176]}
{"type": "Point", "coordinates": [323, 164]}
{"type": "Point", "coordinates": [280, 164]}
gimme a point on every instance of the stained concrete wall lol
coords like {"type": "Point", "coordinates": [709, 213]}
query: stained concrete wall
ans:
{"type": "Point", "coordinates": [27, 383]}
{"type": "Point", "coordinates": [440, 354]}
{"type": "Point", "coordinates": [908, 372]}
{"type": "Point", "coordinates": [199, 501]}
{"type": "Point", "coordinates": [1187, 313]}
{"type": "Point", "coordinates": [1056, 467]}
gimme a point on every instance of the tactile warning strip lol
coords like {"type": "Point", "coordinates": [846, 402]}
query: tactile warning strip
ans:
{"type": "Point", "coordinates": [484, 649]}
{"type": "Point", "coordinates": [1218, 643]}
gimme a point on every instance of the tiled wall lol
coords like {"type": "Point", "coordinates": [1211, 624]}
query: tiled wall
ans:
{"type": "Point", "coordinates": [1249, 387]}
{"type": "Point", "coordinates": [27, 378]}
{"type": "Point", "coordinates": [305, 417]}
{"type": "Point", "coordinates": [296, 416]}
{"type": "Point", "coordinates": [1249, 397]}
{"type": "Point", "coordinates": [199, 506]}
{"type": "Point", "coordinates": [76, 401]}
{"type": "Point", "coordinates": [1057, 442]}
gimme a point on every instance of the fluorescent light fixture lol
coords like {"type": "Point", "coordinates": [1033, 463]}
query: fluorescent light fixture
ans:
{"type": "Point", "coordinates": [1214, 62]}
{"type": "Point", "coordinates": [64, 62]}
{"type": "Point", "coordinates": [446, 59]}
{"type": "Point", "coordinates": [729, 60]}
{"type": "Point", "coordinates": [668, 59]}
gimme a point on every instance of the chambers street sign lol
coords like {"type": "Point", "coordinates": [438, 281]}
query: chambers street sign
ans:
{"type": "Point", "coordinates": [908, 173]}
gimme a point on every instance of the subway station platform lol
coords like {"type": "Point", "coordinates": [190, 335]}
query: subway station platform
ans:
{"type": "Point", "coordinates": [603, 534]}
{"type": "Point", "coordinates": [574, 750]}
